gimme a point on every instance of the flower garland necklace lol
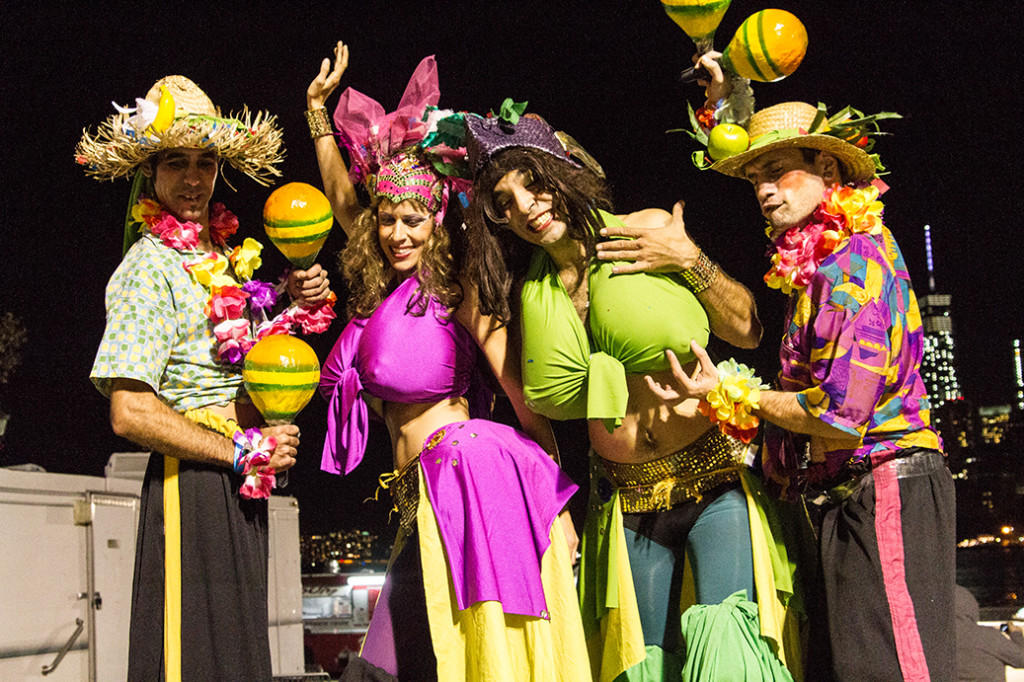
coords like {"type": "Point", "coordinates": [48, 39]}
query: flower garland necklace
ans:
{"type": "Point", "coordinates": [227, 306]}
{"type": "Point", "coordinates": [228, 301]}
{"type": "Point", "coordinates": [800, 251]}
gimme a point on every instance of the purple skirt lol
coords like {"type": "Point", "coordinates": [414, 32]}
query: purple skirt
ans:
{"type": "Point", "coordinates": [495, 494]}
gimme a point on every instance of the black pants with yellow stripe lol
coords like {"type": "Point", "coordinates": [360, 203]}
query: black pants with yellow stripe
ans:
{"type": "Point", "coordinates": [199, 596]}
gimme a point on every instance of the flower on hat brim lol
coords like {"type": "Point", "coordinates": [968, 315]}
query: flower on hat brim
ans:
{"type": "Point", "coordinates": [252, 143]}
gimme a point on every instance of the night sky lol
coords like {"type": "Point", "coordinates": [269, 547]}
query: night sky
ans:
{"type": "Point", "coordinates": [606, 72]}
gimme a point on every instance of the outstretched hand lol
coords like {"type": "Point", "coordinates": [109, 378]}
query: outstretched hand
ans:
{"type": "Point", "coordinates": [328, 79]}
{"type": "Point", "coordinates": [667, 248]}
{"type": "Point", "coordinates": [703, 381]}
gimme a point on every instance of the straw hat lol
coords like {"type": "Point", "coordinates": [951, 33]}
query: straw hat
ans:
{"type": "Point", "coordinates": [847, 136]}
{"type": "Point", "coordinates": [250, 143]}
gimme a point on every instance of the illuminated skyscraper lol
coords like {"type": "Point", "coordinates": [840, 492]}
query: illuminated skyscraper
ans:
{"type": "Point", "coordinates": [938, 368]}
{"type": "Point", "coordinates": [1018, 375]}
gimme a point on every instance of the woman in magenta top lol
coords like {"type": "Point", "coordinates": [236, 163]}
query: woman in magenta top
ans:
{"type": "Point", "coordinates": [480, 584]}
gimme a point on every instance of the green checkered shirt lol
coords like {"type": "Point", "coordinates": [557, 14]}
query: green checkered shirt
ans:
{"type": "Point", "coordinates": [157, 332]}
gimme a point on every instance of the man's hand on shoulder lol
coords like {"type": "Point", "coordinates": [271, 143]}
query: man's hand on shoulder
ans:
{"type": "Point", "coordinates": [655, 241]}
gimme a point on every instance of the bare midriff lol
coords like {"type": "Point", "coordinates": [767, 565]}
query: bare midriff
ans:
{"type": "Point", "coordinates": [410, 424]}
{"type": "Point", "coordinates": [651, 429]}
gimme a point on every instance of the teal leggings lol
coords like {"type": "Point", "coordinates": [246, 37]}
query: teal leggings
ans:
{"type": "Point", "coordinates": [714, 534]}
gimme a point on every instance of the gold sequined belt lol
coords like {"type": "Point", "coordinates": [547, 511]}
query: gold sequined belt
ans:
{"type": "Point", "coordinates": [706, 463]}
{"type": "Point", "coordinates": [404, 485]}
{"type": "Point", "coordinates": [405, 493]}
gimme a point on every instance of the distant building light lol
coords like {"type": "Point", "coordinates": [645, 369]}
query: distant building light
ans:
{"type": "Point", "coordinates": [366, 580]}
{"type": "Point", "coordinates": [1019, 373]}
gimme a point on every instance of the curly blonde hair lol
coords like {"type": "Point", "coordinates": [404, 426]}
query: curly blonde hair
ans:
{"type": "Point", "coordinates": [370, 278]}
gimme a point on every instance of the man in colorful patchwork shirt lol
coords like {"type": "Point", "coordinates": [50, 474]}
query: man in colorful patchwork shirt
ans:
{"type": "Point", "coordinates": [856, 435]}
{"type": "Point", "coordinates": [178, 324]}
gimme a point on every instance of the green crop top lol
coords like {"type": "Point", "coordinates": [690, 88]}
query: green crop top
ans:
{"type": "Point", "coordinates": [568, 374]}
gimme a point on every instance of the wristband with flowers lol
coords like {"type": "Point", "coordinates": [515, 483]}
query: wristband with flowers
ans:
{"type": "Point", "coordinates": [252, 460]}
{"type": "Point", "coordinates": [731, 403]}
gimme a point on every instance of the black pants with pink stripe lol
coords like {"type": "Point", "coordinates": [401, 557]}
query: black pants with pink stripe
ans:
{"type": "Point", "coordinates": [888, 558]}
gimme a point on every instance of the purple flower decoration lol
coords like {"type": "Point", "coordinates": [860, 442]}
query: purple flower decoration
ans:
{"type": "Point", "coordinates": [262, 296]}
{"type": "Point", "coordinates": [231, 352]}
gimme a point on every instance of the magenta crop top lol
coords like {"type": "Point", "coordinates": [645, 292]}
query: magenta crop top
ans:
{"type": "Point", "coordinates": [396, 356]}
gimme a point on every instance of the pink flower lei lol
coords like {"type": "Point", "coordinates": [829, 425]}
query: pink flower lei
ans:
{"type": "Point", "coordinates": [237, 305]}
{"type": "Point", "coordinates": [798, 253]}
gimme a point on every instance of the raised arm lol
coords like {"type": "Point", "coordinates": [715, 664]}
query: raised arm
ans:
{"type": "Point", "coordinates": [659, 242]}
{"type": "Point", "coordinates": [136, 413]}
{"type": "Point", "coordinates": [502, 355]}
{"type": "Point", "coordinates": [337, 186]}
{"type": "Point", "coordinates": [718, 87]}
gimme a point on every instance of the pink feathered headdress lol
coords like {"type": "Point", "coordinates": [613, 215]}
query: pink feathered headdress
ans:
{"type": "Point", "coordinates": [371, 136]}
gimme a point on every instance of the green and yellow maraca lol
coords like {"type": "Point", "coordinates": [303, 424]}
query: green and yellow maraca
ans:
{"type": "Point", "coordinates": [699, 19]}
{"type": "Point", "coordinates": [768, 46]}
{"type": "Point", "coordinates": [297, 217]}
{"type": "Point", "coordinates": [281, 373]}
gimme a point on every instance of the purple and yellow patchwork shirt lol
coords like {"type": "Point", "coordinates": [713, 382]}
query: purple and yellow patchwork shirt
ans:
{"type": "Point", "coordinates": [852, 352]}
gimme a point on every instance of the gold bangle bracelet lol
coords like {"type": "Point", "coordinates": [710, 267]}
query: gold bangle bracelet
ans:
{"type": "Point", "coordinates": [319, 124]}
{"type": "Point", "coordinates": [701, 274]}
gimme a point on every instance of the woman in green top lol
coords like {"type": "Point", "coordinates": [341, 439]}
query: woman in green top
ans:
{"type": "Point", "coordinates": [665, 482]}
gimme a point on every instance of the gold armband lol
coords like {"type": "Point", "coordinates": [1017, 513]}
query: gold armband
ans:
{"type": "Point", "coordinates": [701, 275]}
{"type": "Point", "coordinates": [319, 123]}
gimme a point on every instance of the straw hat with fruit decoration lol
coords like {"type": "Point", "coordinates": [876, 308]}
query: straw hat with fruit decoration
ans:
{"type": "Point", "coordinates": [848, 135]}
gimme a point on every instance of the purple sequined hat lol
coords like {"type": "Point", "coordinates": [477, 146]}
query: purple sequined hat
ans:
{"type": "Point", "coordinates": [485, 137]}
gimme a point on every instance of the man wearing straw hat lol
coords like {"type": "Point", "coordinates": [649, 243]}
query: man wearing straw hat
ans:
{"type": "Point", "coordinates": [850, 425]}
{"type": "Point", "coordinates": [177, 328]}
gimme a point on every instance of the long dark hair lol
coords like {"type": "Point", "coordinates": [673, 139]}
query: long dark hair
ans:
{"type": "Point", "coordinates": [497, 257]}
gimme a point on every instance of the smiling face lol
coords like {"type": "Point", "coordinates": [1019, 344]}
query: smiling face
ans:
{"type": "Point", "coordinates": [527, 208]}
{"type": "Point", "coordinates": [404, 230]}
{"type": "Point", "coordinates": [184, 180]}
{"type": "Point", "coordinates": [788, 186]}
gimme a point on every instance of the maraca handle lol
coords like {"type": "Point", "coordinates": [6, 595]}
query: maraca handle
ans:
{"type": "Point", "coordinates": [695, 73]}
{"type": "Point", "coordinates": [282, 478]}
{"type": "Point", "coordinates": [698, 72]}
